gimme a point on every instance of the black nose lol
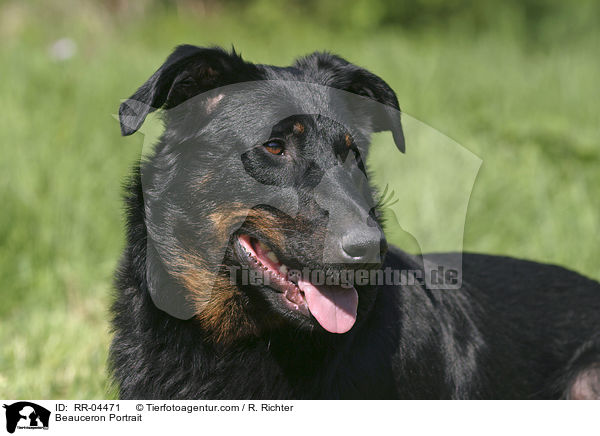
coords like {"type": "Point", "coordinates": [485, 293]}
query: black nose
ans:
{"type": "Point", "coordinates": [363, 245]}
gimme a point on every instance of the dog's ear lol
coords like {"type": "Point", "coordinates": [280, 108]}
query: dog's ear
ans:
{"type": "Point", "coordinates": [334, 71]}
{"type": "Point", "coordinates": [187, 72]}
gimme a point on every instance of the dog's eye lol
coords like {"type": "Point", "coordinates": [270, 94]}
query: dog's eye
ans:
{"type": "Point", "coordinates": [274, 147]}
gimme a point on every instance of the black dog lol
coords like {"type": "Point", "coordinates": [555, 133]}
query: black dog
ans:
{"type": "Point", "coordinates": [237, 131]}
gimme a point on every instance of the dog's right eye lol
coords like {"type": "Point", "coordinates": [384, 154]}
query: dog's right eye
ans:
{"type": "Point", "coordinates": [274, 147]}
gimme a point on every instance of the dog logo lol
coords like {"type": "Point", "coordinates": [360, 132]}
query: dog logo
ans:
{"type": "Point", "coordinates": [26, 415]}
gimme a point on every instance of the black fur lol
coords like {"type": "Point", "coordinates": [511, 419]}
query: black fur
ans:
{"type": "Point", "coordinates": [516, 329]}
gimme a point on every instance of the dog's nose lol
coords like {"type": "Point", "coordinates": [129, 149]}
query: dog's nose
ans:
{"type": "Point", "coordinates": [362, 245]}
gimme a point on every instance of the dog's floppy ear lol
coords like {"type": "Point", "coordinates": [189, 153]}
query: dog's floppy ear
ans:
{"type": "Point", "coordinates": [334, 71]}
{"type": "Point", "coordinates": [187, 72]}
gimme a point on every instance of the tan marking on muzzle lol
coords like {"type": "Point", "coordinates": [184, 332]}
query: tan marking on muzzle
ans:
{"type": "Point", "coordinates": [222, 313]}
{"type": "Point", "coordinates": [226, 221]}
{"type": "Point", "coordinates": [218, 302]}
{"type": "Point", "coordinates": [220, 305]}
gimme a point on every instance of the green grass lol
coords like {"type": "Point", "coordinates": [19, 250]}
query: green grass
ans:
{"type": "Point", "coordinates": [529, 111]}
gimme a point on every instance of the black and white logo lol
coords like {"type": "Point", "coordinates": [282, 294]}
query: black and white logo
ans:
{"type": "Point", "coordinates": [26, 415]}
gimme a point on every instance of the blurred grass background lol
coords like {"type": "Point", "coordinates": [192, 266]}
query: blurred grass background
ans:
{"type": "Point", "coordinates": [516, 82]}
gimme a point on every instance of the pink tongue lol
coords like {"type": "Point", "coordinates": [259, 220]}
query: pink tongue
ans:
{"type": "Point", "coordinates": [334, 307]}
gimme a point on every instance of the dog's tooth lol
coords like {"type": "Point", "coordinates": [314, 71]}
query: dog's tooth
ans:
{"type": "Point", "coordinates": [283, 269]}
{"type": "Point", "coordinates": [272, 257]}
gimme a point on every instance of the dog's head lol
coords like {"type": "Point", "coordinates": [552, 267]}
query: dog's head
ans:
{"type": "Point", "coordinates": [256, 199]}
